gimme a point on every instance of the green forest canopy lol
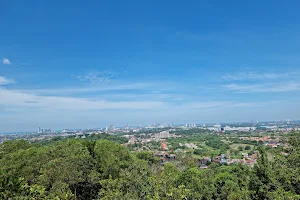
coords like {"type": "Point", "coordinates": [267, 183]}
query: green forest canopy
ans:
{"type": "Point", "coordinates": [102, 169]}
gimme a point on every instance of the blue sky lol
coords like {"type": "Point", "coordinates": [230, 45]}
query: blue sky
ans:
{"type": "Point", "coordinates": [75, 64]}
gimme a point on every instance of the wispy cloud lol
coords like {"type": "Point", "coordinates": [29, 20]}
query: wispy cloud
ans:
{"type": "Point", "coordinates": [96, 78]}
{"type": "Point", "coordinates": [6, 61]}
{"type": "Point", "coordinates": [58, 99]}
{"type": "Point", "coordinates": [202, 105]}
{"type": "Point", "coordinates": [219, 104]}
{"type": "Point", "coordinates": [17, 99]}
{"type": "Point", "coordinates": [270, 87]}
{"type": "Point", "coordinates": [139, 86]}
{"type": "Point", "coordinates": [21, 99]}
{"type": "Point", "coordinates": [254, 76]}
{"type": "Point", "coordinates": [5, 81]}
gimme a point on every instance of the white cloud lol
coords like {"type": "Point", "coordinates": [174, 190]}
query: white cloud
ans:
{"type": "Point", "coordinates": [271, 87]}
{"type": "Point", "coordinates": [254, 76]}
{"type": "Point", "coordinates": [6, 61]}
{"type": "Point", "coordinates": [96, 78]}
{"type": "Point", "coordinates": [202, 105]}
{"type": "Point", "coordinates": [20, 99]}
{"type": "Point", "coordinates": [77, 90]}
{"type": "Point", "coordinates": [33, 110]}
{"type": "Point", "coordinates": [130, 90]}
{"type": "Point", "coordinates": [219, 104]}
{"type": "Point", "coordinates": [5, 81]}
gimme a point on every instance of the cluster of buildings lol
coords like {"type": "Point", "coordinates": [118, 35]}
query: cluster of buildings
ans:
{"type": "Point", "coordinates": [219, 128]}
{"type": "Point", "coordinates": [279, 126]}
{"type": "Point", "coordinates": [267, 140]}
{"type": "Point", "coordinates": [165, 157]}
{"type": "Point", "coordinates": [280, 129]}
{"type": "Point", "coordinates": [42, 130]}
{"type": "Point", "coordinates": [243, 129]}
{"type": "Point", "coordinates": [225, 159]}
{"type": "Point", "coordinates": [146, 138]}
{"type": "Point", "coordinates": [257, 139]}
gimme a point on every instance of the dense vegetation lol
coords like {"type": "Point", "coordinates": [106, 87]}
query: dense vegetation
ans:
{"type": "Point", "coordinates": [89, 137]}
{"type": "Point", "coordinates": [102, 169]}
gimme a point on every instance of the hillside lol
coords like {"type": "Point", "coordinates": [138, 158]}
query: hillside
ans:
{"type": "Point", "coordinates": [102, 169]}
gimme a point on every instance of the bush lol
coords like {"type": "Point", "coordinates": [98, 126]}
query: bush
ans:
{"type": "Point", "coordinates": [240, 148]}
{"type": "Point", "coordinates": [247, 147]}
{"type": "Point", "coordinates": [197, 151]}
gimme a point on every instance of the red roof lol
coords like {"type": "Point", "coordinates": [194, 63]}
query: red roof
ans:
{"type": "Point", "coordinates": [254, 156]}
{"type": "Point", "coordinates": [162, 159]}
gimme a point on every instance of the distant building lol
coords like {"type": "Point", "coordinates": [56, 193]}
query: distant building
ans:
{"type": "Point", "coordinates": [245, 155]}
{"type": "Point", "coordinates": [205, 161]}
{"type": "Point", "coordinates": [270, 127]}
{"type": "Point", "coordinates": [217, 129]}
{"type": "Point", "coordinates": [217, 125]}
{"type": "Point", "coordinates": [112, 128]}
{"type": "Point", "coordinates": [126, 127]}
{"type": "Point", "coordinates": [164, 145]}
{"type": "Point", "coordinates": [172, 156]}
{"type": "Point", "coordinates": [161, 135]}
{"type": "Point", "coordinates": [217, 159]}
{"type": "Point", "coordinates": [245, 129]}
{"type": "Point", "coordinates": [254, 156]}
{"type": "Point", "coordinates": [203, 166]}
{"type": "Point", "coordinates": [41, 130]}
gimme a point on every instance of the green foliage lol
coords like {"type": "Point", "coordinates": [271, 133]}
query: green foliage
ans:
{"type": "Point", "coordinates": [13, 146]}
{"type": "Point", "coordinates": [111, 158]}
{"type": "Point", "coordinates": [240, 148]}
{"type": "Point", "coordinates": [102, 169]}
{"type": "Point", "coordinates": [132, 183]}
{"type": "Point", "coordinates": [198, 151]}
{"type": "Point", "coordinates": [247, 147]}
{"type": "Point", "coordinates": [88, 137]}
{"type": "Point", "coordinates": [147, 156]}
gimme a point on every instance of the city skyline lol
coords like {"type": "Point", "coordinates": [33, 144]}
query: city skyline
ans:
{"type": "Point", "coordinates": [92, 65]}
{"type": "Point", "coordinates": [126, 127]}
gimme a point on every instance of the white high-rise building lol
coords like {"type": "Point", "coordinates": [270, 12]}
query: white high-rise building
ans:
{"type": "Point", "coordinates": [112, 128]}
{"type": "Point", "coordinates": [126, 127]}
